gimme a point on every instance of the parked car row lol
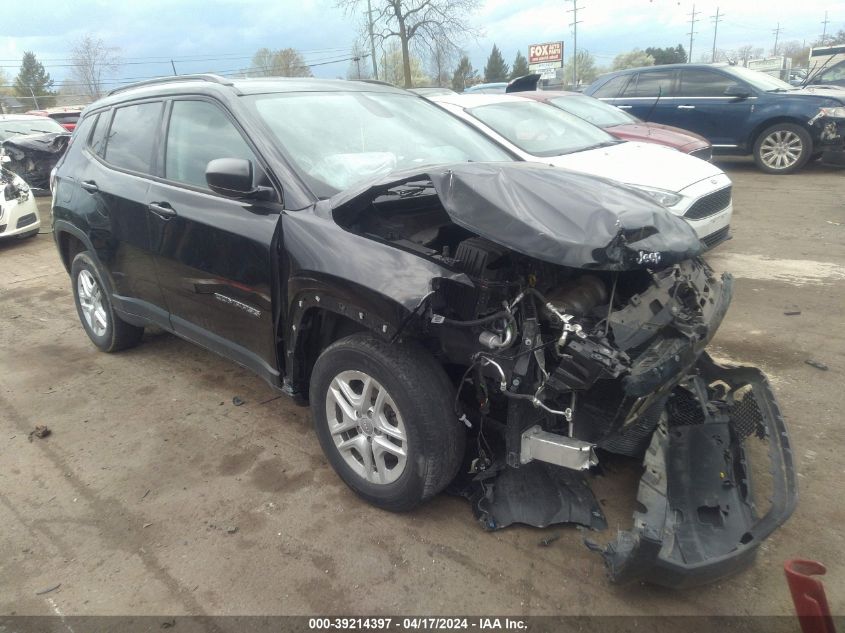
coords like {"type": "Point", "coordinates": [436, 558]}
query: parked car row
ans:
{"type": "Point", "coordinates": [454, 313]}
{"type": "Point", "coordinates": [740, 111]}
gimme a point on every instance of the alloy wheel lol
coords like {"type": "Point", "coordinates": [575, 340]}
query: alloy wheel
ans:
{"type": "Point", "coordinates": [91, 301]}
{"type": "Point", "coordinates": [366, 427]}
{"type": "Point", "coordinates": [781, 149]}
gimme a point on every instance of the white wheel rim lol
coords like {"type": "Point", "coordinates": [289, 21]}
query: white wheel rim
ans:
{"type": "Point", "coordinates": [781, 149]}
{"type": "Point", "coordinates": [366, 427]}
{"type": "Point", "coordinates": [91, 301]}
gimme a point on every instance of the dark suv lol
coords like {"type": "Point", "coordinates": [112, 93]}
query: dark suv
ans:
{"type": "Point", "coordinates": [451, 315]}
{"type": "Point", "coordinates": [740, 111]}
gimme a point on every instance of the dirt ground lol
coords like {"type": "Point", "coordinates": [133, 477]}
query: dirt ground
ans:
{"type": "Point", "coordinates": [154, 494]}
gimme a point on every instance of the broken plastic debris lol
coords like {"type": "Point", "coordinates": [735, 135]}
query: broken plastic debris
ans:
{"type": "Point", "coordinates": [816, 364]}
{"type": "Point", "coordinates": [237, 401]}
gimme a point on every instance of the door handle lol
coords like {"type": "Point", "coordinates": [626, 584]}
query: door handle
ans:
{"type": "Point", "coordinates": [686, 107]}
{"type": "Point", "coordinates": [624, 107]}
{"type": "Point", "coordinates": [162, 210]}
{"type": "Point", "coordinates": [90, 186]}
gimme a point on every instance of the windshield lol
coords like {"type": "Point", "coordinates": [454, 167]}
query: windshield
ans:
{"type": "Point", "coordinates": [19, 127]}
{"type": "Point", "coordinates": [337, 139]}
{"type": "Point", "coordinates": [759, 80]}
{"type": "Point", "coordinates": [593, 111]}
{"type": "Point", "coordinates": [540, 129]}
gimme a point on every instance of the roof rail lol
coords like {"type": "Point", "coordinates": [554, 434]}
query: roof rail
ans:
{"type": "Point", "coordinates": [218, 79]}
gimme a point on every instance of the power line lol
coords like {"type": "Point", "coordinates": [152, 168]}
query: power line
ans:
{"type": "Point", "coordinates": [716, 19]}
{"type": "Point", "coordinates": [692, 30]}
{"type": "Point", "coordinates": [185, 58]}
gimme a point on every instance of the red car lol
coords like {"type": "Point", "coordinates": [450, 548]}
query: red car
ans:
{"type": "Point", "coordinates": [66, 117]}
{"type": "Point", "coordinates": [621, 124]}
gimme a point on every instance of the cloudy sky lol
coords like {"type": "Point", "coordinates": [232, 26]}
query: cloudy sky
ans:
{"type": "Point", "coordinates": [209, 35]}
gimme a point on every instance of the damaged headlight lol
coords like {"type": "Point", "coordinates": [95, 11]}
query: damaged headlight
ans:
{"type": "Point", "coordinates": [836, 113]}
{"type": "Point", "coordinates": [662, 196]}
{"type": "Point", "coordinates": [10, 192]}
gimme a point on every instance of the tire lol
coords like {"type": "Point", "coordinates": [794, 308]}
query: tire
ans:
{"type": "Point", "coordinates": [93, 305]}
{"type": "Point", "coordinates": [782, 148]}
{"type": "Point", "coordinates": [417, 418]}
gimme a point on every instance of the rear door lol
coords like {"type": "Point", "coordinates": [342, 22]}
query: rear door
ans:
{"type": "Point", "coordinates": [214, 255]}
{"type": "Point", "coordinates": [648, 95]}
{"type": "Point", "coordinates": [113, 188]}
{"type": "Point", "coordinates": [701, 106]}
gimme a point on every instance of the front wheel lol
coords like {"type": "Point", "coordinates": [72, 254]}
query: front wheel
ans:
{"type": "Point", "coordinates": [105, 329]}
{"type": "Point", "coordinates": [384, 416]}
{"type": "Point", "coordinates": [782, 148]}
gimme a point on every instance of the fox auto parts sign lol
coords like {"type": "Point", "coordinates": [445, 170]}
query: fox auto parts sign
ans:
{"type": "Point", "coordinates": [550, 52]}
{"type": "Point", "coordinates": [545, 59]}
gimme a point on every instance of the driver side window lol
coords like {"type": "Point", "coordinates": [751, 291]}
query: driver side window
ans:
{"type": "Point", "coordinates": [199, 132]}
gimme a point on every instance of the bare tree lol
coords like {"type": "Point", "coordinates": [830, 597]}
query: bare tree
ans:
{"type": "Point", "coordinates": [416, 23]}
{"type": "Point", "coordinates": [286, 62]}
{"type": "Point", "coordinates": [441, 59]}
{"type": "Point", "coordinates": [93, 61]}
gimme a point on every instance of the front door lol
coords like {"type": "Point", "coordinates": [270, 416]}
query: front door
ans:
{"type": "Point", "coordinates": [214, 254]}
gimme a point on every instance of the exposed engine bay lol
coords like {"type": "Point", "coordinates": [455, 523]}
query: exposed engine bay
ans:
{"type": "Point", "coordinates": [554, 363]}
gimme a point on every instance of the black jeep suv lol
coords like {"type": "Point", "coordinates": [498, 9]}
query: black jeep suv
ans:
{"type": "Point", "coordinates": [454, 318]}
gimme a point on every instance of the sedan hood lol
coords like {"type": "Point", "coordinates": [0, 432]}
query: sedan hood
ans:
{"type": "Point", "coordinates": [644, 164]}
{"type": "Point", "coordinates": [656, 133]}
{"type": "Point", "coordinates": [547, 213]}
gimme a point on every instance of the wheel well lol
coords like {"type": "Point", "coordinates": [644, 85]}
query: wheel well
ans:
{"type": "Point", "coordinates": [69, 247]}
{"type": "Point", "coordinates": [319, 328]}
{"type": "Point", "coordinates": [774, 121]}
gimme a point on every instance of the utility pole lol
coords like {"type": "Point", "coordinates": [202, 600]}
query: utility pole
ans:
{"type": "Point", "coordinates": [692, 31]}
{"type": "Point", "coordinates": [777, 33]}
{"type": "Point", "coordinates": [174, 67]}
{"type": "Point", "coordinates": [574, 24]}
{"type": "Point", "coordinates": [716, 18]}
{"type": "Point", "coordinates": [824, 31]}
{"type": "Point", "coordinates": [372, 39]}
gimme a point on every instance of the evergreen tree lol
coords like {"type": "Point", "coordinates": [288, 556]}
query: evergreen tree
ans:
{"type": "Point", "coordinates": [33, 79]}
{"type": "Point", "coordinates": [496, 68]}
{"type": "Point", "coordinates": [464, 75]}
{"type": "Point", "coordinates": [520, 66]}
{"type": "Point", "coordinates": [668, 55]}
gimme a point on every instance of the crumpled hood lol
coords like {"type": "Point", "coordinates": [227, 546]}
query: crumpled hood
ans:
{"type": "Point", "coordinates": [548, 213]}
{"type": "Point", "coordinates": [643, 164]}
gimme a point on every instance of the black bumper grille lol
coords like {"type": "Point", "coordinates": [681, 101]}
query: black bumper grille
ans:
{"type": "Point", "coordinates": [705, 153]}
{"type": "Point", "coordinates": [716, 237]}
{"type": "Point", "coordinates": [709, 204]}
{"type": "Point", "coordinates": [25, 220]}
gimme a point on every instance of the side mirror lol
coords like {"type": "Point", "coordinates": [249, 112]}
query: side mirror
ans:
{"type": "Point", "coordinates": [738, 91]}
{"type": "Point", "coordinates": [233, 177]}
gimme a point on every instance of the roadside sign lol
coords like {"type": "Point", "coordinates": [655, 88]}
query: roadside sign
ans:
{"type": "Point", "coordinates": [548, 52]}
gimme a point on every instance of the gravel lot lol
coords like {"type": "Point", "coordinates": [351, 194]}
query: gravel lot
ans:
{"type": "Point", "coordinates": [154, 494]}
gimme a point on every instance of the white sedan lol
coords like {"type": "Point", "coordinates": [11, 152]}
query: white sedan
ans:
{"type": "Point", "coordinates": [18, 211]}
{"type": "Point", "coordinates": [689, 187]}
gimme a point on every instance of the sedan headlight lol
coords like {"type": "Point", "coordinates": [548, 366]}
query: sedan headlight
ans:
{"type": "Point", "coordinates": [664, 197]}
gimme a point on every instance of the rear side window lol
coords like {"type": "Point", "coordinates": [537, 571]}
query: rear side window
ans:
{"type": "Point", "coordinates": [132, 136]}
{"type": "Point", "coordinates": [98, 138]}
{"type": "Point", "coordinates": [199, 132]}
{"type": "Point", "coordinates": [652, 84]}
{"type": "Point", "coordinates": [613, 88]}
{"type": "Point", "coordinates": [83, 130]}
{"type": "Point", "coordinates": [703, 83]}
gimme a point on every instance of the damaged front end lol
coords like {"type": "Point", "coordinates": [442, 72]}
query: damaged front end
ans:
{"type": "Point", "coordinates": [577, 322]}
{"type": "Point", "coordinates": [33, 156]}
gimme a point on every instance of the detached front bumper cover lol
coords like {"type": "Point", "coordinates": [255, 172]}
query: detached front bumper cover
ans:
{"type": "Point", "coordinates": [701, 516]}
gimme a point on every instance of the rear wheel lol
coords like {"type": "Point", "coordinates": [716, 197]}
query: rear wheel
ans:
{"type": "Point", "coordinates": [383, 415]}
{"type": "Point", "coordinates": [93, 304]}
{"type": "Point", "coordinates": [783, 148]}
